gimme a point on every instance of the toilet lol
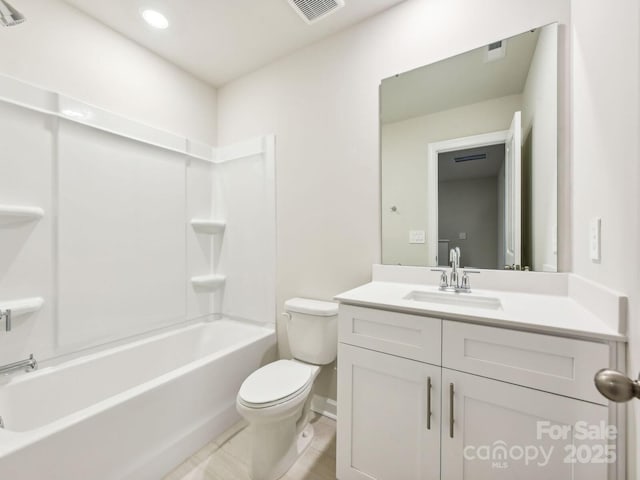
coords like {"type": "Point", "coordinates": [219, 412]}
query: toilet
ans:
{"type": "Point", "coordinates": [276, 398]}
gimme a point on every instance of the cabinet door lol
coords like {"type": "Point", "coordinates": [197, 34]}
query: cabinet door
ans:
{"type": "Point", "coordinates": [384, 431]}
{"type": "Point", "coordinates": [505, 431]}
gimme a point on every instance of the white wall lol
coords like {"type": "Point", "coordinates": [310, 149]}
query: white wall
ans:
{"type": "Point", "coordinates": [322, 104]}
{"type": "Point", "coordinates": [605, 178]}
{"type": "Point", "coordinates": [540, 115]}
{"type": "Point", "coordinates": [62, 49]}
{"type": "Point", "coordinates": [404, 175]}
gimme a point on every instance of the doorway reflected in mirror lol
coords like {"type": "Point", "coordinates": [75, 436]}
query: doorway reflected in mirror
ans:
{"type": "Point", "coordinates": [460, 107]}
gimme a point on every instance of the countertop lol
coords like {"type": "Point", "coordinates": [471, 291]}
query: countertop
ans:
{"type": "Point", "coordinates": [536, 312]}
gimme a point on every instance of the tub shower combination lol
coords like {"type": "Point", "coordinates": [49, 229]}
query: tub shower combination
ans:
{"type": "Point", "coordinates": [129, 412]}
{"type": "Point", "coordinates": [133, 288]}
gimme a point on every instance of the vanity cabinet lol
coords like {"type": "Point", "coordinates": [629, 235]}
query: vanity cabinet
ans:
{"type": "Point", "coordinates": [422, 398]}
{"type": "Point", "coordinates": [500, 432]}
{"type": "Point", "coordinates": [386, 401]}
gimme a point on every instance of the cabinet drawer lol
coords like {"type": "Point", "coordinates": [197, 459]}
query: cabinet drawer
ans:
{"type": "Point", "coordinates": [552, 364]}
{"type": "Point", "coordinates": [410, 336]}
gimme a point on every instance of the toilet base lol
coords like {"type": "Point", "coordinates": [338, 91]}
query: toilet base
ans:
{"type": "Point", "coordinates": [268, 464]}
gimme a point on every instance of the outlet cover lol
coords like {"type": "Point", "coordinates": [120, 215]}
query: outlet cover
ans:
{"type": "Point", "coordinates": [416, 236]}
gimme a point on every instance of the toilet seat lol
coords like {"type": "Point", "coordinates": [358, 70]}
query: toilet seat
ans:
{"type": "Point", "coordinates": [275, 383]}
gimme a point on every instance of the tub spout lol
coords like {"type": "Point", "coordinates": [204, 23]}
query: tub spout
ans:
{"type": "Point", "coordinates": [29, 365]}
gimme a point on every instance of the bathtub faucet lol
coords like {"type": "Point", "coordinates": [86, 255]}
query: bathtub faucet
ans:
{"type": "Point", "coordinates": [29, 365]}
{"type": "Point", "coordinates": [6, 316]}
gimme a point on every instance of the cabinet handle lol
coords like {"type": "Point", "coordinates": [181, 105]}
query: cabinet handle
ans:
{"type": "Point", "coordinates": [451, 392]}
{"type": "Point", "coordinates": [428, 403]}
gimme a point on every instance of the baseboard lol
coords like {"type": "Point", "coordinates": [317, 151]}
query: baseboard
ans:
{"type": "Point", "coordinates": [324, 406]}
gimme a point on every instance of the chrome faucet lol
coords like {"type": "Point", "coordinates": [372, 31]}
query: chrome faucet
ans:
{"type": "Point", "coordinates": [454, 283]}
{"type": "Point", "coordinates": [454, 261]}
{"type": "Point", "coordinates": [29, 365]}
{"type": "Point", "coordinates": [6, 316]}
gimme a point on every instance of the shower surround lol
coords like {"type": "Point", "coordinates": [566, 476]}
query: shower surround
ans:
{"type": "Point", "coordinates": [138, 231]}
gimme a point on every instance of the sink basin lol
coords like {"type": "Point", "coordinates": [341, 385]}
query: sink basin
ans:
{"type": "Point", "coordinates": [456, 299]}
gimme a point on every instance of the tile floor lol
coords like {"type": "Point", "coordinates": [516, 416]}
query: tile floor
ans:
{"type": "Point", "coordinates": [226, 457]}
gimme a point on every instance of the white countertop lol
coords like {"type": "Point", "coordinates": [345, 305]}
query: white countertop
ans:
{"type": "Point", "coordinates": [538, 312]}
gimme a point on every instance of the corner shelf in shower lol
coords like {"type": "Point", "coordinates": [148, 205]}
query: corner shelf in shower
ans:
{"type": "Point", "coordinates": [211, 227]}
{"type": "Point", "coordinates": [22, 306]}
{"type": "Point", "coordinates": [208, 282]}
{"type": "Point", "coordinates": [19, 214]}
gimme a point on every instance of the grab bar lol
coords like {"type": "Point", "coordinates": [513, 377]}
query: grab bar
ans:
{"type": "Point", "coordinates": [29, 365]}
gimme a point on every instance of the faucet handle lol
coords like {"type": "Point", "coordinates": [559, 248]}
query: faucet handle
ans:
{"type": "Point", "coordinates": [6, 315]}
{"type": "Point", "coordinates": [466, 284]}
{"type": "Point", "coordinates": [444, 283]}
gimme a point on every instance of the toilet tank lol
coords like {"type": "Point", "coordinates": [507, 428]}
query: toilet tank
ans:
{"type": "Point", "coordinates": [312, 329]}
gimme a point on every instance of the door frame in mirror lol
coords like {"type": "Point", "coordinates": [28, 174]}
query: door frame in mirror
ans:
{"type": "Point", "coordinates": [433, 150]}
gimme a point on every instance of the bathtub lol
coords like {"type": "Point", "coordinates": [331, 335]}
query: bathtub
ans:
{"type": "Point", "coordinates": [133, 411]}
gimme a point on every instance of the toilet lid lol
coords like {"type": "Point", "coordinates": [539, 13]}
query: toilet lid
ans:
{"type": "Point", "coordinates": [275, 381]}
{"type": "Point", "coordinates": [319, 308]}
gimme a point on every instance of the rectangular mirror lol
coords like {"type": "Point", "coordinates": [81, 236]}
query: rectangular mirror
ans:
{"type": "Point", "coordinates": [469, 157]}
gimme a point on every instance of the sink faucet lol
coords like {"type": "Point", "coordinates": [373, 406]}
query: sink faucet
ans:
{"type": "Point", "coordinates": [454, 283]}
{"type": "Point", "coordinates": [454, 261]}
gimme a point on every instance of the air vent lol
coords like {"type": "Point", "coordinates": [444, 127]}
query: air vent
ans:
{"type": "Point", "coordinates": [470, 158]}
{"type": "Point", "coordinates": [495, 51]}
{"type": "Point", "coordinates": [313, 10]}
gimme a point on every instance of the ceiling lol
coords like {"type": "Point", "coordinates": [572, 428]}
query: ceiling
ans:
{"type": "Point", "coordinates": [220, 40]}
{"type": "Point", "coordinates": [457, 81]}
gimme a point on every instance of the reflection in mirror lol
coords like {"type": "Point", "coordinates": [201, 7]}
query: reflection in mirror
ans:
{"type": "Point", "coordinates": [469, 157]}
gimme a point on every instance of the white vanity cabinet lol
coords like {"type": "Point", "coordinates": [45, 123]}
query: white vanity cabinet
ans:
{"type": "Point", "coordinates": [503, 403]}
{"type": "Point", "coordinates": [500, 432]}
{"type": "Point", "coordinates": [386, 401]}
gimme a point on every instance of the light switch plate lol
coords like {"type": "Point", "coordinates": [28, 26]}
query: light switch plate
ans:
{"type": "Point", "coordinates": [462, 236]}
{"type": "Point", "coordinates": [594, 239]}
{"type": "Point", "coordinates": [416, 236]}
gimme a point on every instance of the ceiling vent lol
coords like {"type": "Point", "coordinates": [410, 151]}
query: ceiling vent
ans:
{"type": "Point", "coordinates": [495, 51]}
{"type": "Point", "coordinates": [470, 158]}
{"type": "Point", "coordinates": [313, 10]}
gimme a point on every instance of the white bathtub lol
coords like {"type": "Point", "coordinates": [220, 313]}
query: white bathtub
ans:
{"type": "Point", "coordinates": [130, 412]}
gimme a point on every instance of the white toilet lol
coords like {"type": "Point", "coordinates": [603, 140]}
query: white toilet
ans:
{"type": "Point", "coordinates": [275, 399]}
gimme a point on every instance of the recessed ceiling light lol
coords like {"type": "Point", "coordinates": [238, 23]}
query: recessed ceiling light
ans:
{"type": "Point", "coordinates": [154, 18]}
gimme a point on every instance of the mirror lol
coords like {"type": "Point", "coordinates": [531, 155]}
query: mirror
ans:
{"type": "Point", "coordinates": [469, 157]}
